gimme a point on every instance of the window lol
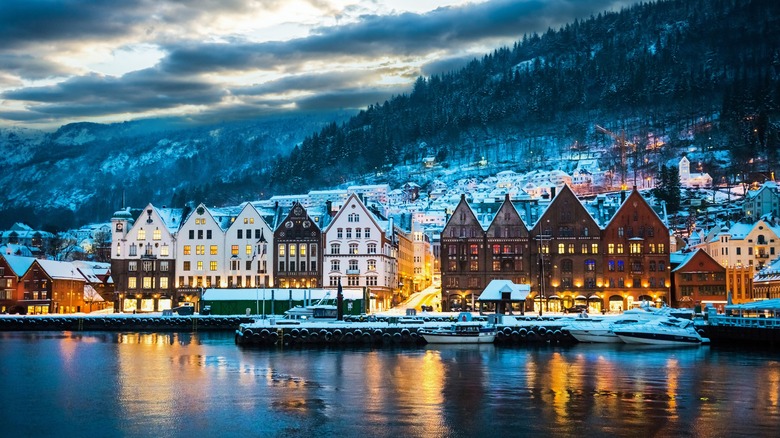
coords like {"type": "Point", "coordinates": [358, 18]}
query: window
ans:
{"type": "Point", "coordinates": [661, 249]}
{"type": "Point", "coordinates": [367, 232]}
{"type": "Point", "coordinates": [293, 249]}
{"type": "Point", "coordinates": [208, 234]}
{"type": "Point", "coordinates": [353, 280]}
{"type": "Point", "coordinates": [141, 234]}
{"type": "Point", "coordinates": [570, 248]}
{"type": "Point", "coordinates": [566, 265]}
{"type": "Point", "coordinates": [148, 282]}
{"type": "Point", "coordinates": [234, 250]}
{"type": "Point", "coordinates": [620, 232]}
{"type": "Point", "coordinates": [349, 233]}
{"type": "Point", "coordinates": [163, 282]}
{"type": "Point", "coordinates": [594, 248]}
{"type": "Point", "coordinates": [157, 234]}
{"type": "Point", "coordinates": [651, 248]}
{"type": "Point", "coordinates": [739, 251]}
{"type": "Point", "coordinates": [132, 266]}
{"type": "Point", "coordinates": [248, 236]}
{"type": "Point", "coordinates": [621, 266]}
{"type": "Point", "coordinates": [164, 266]}
{"type": "Point", "coordinates": [131, 283]}
{"type": "Point", "coordinates": [334, 281]}
{"type": "Point", "coordinates": [186, 266]}
{"type": "Point", "coordinates": [133, 250]}
{"type": "Point", "coordinates": [213, 250]}
{"type": "Point", "coordinates": [584, 248]}
{"type": "Point", "coordinates": [240, 233]}
{"type": "Point", "coordinates": [339, 233]}
{"type": "Point", "coordinates": [213, 265]}
{"type": "Point", "coordinates": [474, 265]}
{"type": "Point", "coordinates": [496, 249]}
{"type": "Point", "coordinates": [636, 248]}
{"type": "Point", "coordinates": [200, 249]}
{"type": "Point", "coordinates": [282, 249]}
{"type": "Point", "coordinates": [651, 266]}
{"type": "Point", "coordinates": [335, 248]}
{"type": "Point", "coordinates": [371, 264]}
{"type": "Point", "coordinates": [313, 249]}
{"type": "Point", "coordinates": [661, 266]}
{"type": "Point", "coordinates": [353, 217]}
{"type": "Point", "coordinates": [248, 250]}
{"type": "Point", "coordinates": [610, 248]}
{"type": "Point", "coordinates": [302, 249]}
{"type": "Point", "coordinates": [187, 250]}
{"type": "Point", "coordinates": [561, 248]}
{"type": "Point", "coordinates": [371, 280]}
{"type": "Point", "coordinates": [192, 232]}
{"type": "Point", "coordinates": [248, 265]}
{"type": "Point", "coordinates": [372, 248]}
{"type": "Point", "coordinates": [496, 265]}
{"type": "Point", "coordinates": [353, 248]}
{"type": "Point", "coordinates": [590, 265]}
{"type": "Point", "coordinates": [357, 233]}
{"type": "Point", "coordinates": [620, 248]}
{"type": "Point", "coordinates": [335, 265]}
{"type": "Point", "coordinates": [353, 265]}
{"type": "Point", "coordinates": [474, 249]}
{"type": "Point", "coordinates": [200, 266]}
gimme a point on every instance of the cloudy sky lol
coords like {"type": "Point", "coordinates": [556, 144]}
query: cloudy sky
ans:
{"type": "Point", "coordinates": [64, 61]}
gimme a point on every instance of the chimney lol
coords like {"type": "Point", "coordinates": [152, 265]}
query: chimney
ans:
{"type": "Point", "coordinates": [328, 206]}
{"type": "Point", "coordinates": [552, 192]}
{"type": "Point", "coordinates": [622, 196]}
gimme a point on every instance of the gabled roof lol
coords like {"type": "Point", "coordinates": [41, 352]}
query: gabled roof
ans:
{"type": "Point", "coordinates": [568, 192]}
{"type": "Point", "coordinates": [60, 270]}
{"type": "Point", "coordinates": [18, 264]}
{"type": "Point", "coordinates": [496, 288]}
{"type": "Point", "coordinates": [508, 205]}
{"type": "Point", "coordinates": [380, 224]}
{"type": "Point", "coordinates": [634, 195]}
{"type": "Point", "coordinates": [463, 204]}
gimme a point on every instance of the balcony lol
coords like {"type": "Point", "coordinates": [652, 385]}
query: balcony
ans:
{"type": "Point", "coordinates": [762, 256]}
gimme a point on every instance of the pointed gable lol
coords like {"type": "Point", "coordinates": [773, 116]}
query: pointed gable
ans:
{"type": "Point", "coordinates": [507, 222]}
{"type": "Point", "coordinates": [463, 222]}
{"type": "Point", "coordinates": [637, 219]}
{"type": "Point", "coordinates": [566, 215]}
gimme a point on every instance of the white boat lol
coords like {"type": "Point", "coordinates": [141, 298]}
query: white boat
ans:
{"type": "Point", "coordinates": [321, 310]}
{"type": "Point", "coordinates": [461, 332]}
{"type": "Point", "coordinates": [665, 331]}
{"type": "Point", "coordinates": [584, 329]}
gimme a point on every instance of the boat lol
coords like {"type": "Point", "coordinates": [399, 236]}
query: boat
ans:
{"type": "Point", "coordinates": [756, 323]}
{"type": "Point", "coordinates": [461, 332]}
{"type": "Point", "coordinates": [321, 311]}
{"type": "Point", "coordinates": [664, 331]}
{"type": "Point", "coordinates": [585, 329]}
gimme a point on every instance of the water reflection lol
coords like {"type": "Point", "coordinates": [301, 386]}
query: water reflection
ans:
{"type": "Point", "coordinates": [175, 384]}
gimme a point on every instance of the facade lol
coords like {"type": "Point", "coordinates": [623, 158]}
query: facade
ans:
{"type": "Point", "coordinates": [699, 280]}
{"type": "Point", "coordinates": [360, 248]}
{"type": "Point", "coordinates": [12, 268]}
{"type": "Point", "coordinates": [754, 245]}
{"type": "Point", "coordinates": [247, 257]}
{"type": "Point", "coordinates": [52, 287]}
{"type": "Point", "coordinates": [566, 244]}
{"type": "Point", "coordinates": [763, 201]}
{"type": "Point", "coordinates": [636, 256]}
{"type": "Point", "coordinates": [298, 251]}
{"type": "Point", "coordinates": [405, 265]}
{"type": "Point", "coordinates": [423, 259]}
{"type": "Point", "coordinates": [143, 258]}
{"type": "Point", "coordinates": [565, 257]}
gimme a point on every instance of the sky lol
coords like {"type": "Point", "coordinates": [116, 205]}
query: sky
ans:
{"type": "Point", "coordinates": [64, 61]}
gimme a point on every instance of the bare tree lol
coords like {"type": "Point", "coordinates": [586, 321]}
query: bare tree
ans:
{"type": "Point", "coordinates": [91, 296]}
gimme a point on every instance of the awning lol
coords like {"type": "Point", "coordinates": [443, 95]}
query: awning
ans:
{"type": "Point", "coordinates": [553, 297]}
{"type": "Point", "coordinates": [580, 297]}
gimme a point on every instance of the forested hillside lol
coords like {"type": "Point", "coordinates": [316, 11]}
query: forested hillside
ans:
{"type": "Point", "coordinates": [671, 68]}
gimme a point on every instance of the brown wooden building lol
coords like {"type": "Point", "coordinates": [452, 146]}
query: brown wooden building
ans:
{"type": "Point", "coordinates": [567, 243]}
{"type": "Point", "coordinates": [12, 268]}
{"type": "Point", "coordinates": [298, 241]}
{"type": "Point", "coordinates": [566, 257]}
{"type": "Point", "coordinates": [699, 280]}
{"type": "Point", "coordinates": [636, 256]}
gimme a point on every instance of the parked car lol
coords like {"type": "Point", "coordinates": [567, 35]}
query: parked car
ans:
{"type": "Point", "coordinates": [577, 308]}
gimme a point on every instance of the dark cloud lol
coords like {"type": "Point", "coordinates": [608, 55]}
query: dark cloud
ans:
{"type": "Point", "coordinates": [96, 95]}
{"type": "Point", "coordinates": [381, 35]}
{"type": "Point", "coordinates": [348, 99]}
{"type": "Point", "coordinates": [30, 67]}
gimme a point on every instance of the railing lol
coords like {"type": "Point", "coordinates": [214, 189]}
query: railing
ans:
{"type": "Point", "coordinates": [738, 321]}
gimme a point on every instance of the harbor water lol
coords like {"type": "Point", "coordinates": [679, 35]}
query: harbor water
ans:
{"type": "Point", "coordinates": [90, 384]}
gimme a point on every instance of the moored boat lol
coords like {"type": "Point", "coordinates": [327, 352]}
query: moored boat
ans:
{"type": "Point", "coordinates": [666, 331]}
{"type": "Point", "coordinates": [584, 329]}
{"type": "Point", "coordinates": [462, 332]}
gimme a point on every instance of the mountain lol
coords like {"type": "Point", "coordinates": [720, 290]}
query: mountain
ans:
{"type": "Point", "coordinates": [672, 76]}
{"type": "Point", "coordinates": [83, 172]}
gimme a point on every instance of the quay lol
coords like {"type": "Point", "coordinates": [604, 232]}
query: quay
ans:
{"type": "Point", "coordinates": [120, 323]}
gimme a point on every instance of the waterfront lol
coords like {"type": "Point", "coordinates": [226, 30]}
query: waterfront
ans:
{"type": "Point", "coordinates": [182, 384]}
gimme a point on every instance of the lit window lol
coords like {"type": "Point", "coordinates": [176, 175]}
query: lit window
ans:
{"type": "Point", "coordinates": [200, 266]}
{"type": "Point", "coordinates": [610, 248]}
{"type": "Point", "coordinates": [141, 234]}
{"type": "Point", "coordinates": [248, 250]}
{"type": "Point", "coordinates": [620, 248]}
{"type": "Point", "coordinates": [164, 250]}
{"type": "Point", "coordinates": [200, 249]}
{"type": "Point", "coordinates": [164, 283]}
{"type": "Point", "coordinates": [302, 250]}
{"type": "Point", "coordinates": [213, 249]}
{"type": "Point", "coordinates": [148, 282]}
{"type": "Point", "coordinates": [293, 248]}
{"type": "Point", "coordinates": [157, 234]}
{"type": "Point", "coordinates": [282, 250]}
{"type": "Point", "coordinates": [187, 250]}
{"type": "Point", "coordinates": [131, 283]}
{"type": "Point", "coordinates": [594, 248]}
{"type": "Point", "coordinates": [234, 249]}
{"type": "Point", "coordinates": [213, 265]}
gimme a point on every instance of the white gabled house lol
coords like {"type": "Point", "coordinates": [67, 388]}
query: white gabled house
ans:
{"type": "Point", "coordinates": [248, 260]}
{"type": "Point", "coordinates": [361, 250]}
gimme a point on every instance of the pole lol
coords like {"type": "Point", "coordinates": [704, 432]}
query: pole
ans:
{"type": "Point", "coordinates": [263, 303]}
{"type": "Point", "coordinates": [340, 303]}
{"type": "Point", "coordinates": [257, 301]}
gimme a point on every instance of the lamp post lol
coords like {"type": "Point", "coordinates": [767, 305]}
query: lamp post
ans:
{"type": "Point", "coordinates": [541, 239]}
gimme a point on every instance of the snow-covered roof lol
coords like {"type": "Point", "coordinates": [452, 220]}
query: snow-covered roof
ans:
{"type": "Point", "coordinates": [496, 288]}
{"type": "Point", "coordinates": [61, 270]}
{"type": "Point", "coordinates": [18, 264]}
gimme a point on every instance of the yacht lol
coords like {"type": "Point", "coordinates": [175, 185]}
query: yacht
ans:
{"type": "Point", "coordinates": [586, 329]}
{"type": "Point", "coordinates": [664, 331]}
{"type": "Point", "coordinates": [461, 332]}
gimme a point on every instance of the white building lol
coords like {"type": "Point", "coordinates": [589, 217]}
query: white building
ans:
{"type": "Point", "coordinates": [744, 245]}
{"type": "Point", "coordinates": [688, 179]}
{"type": "Point", "coordinates": [361, 251]}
